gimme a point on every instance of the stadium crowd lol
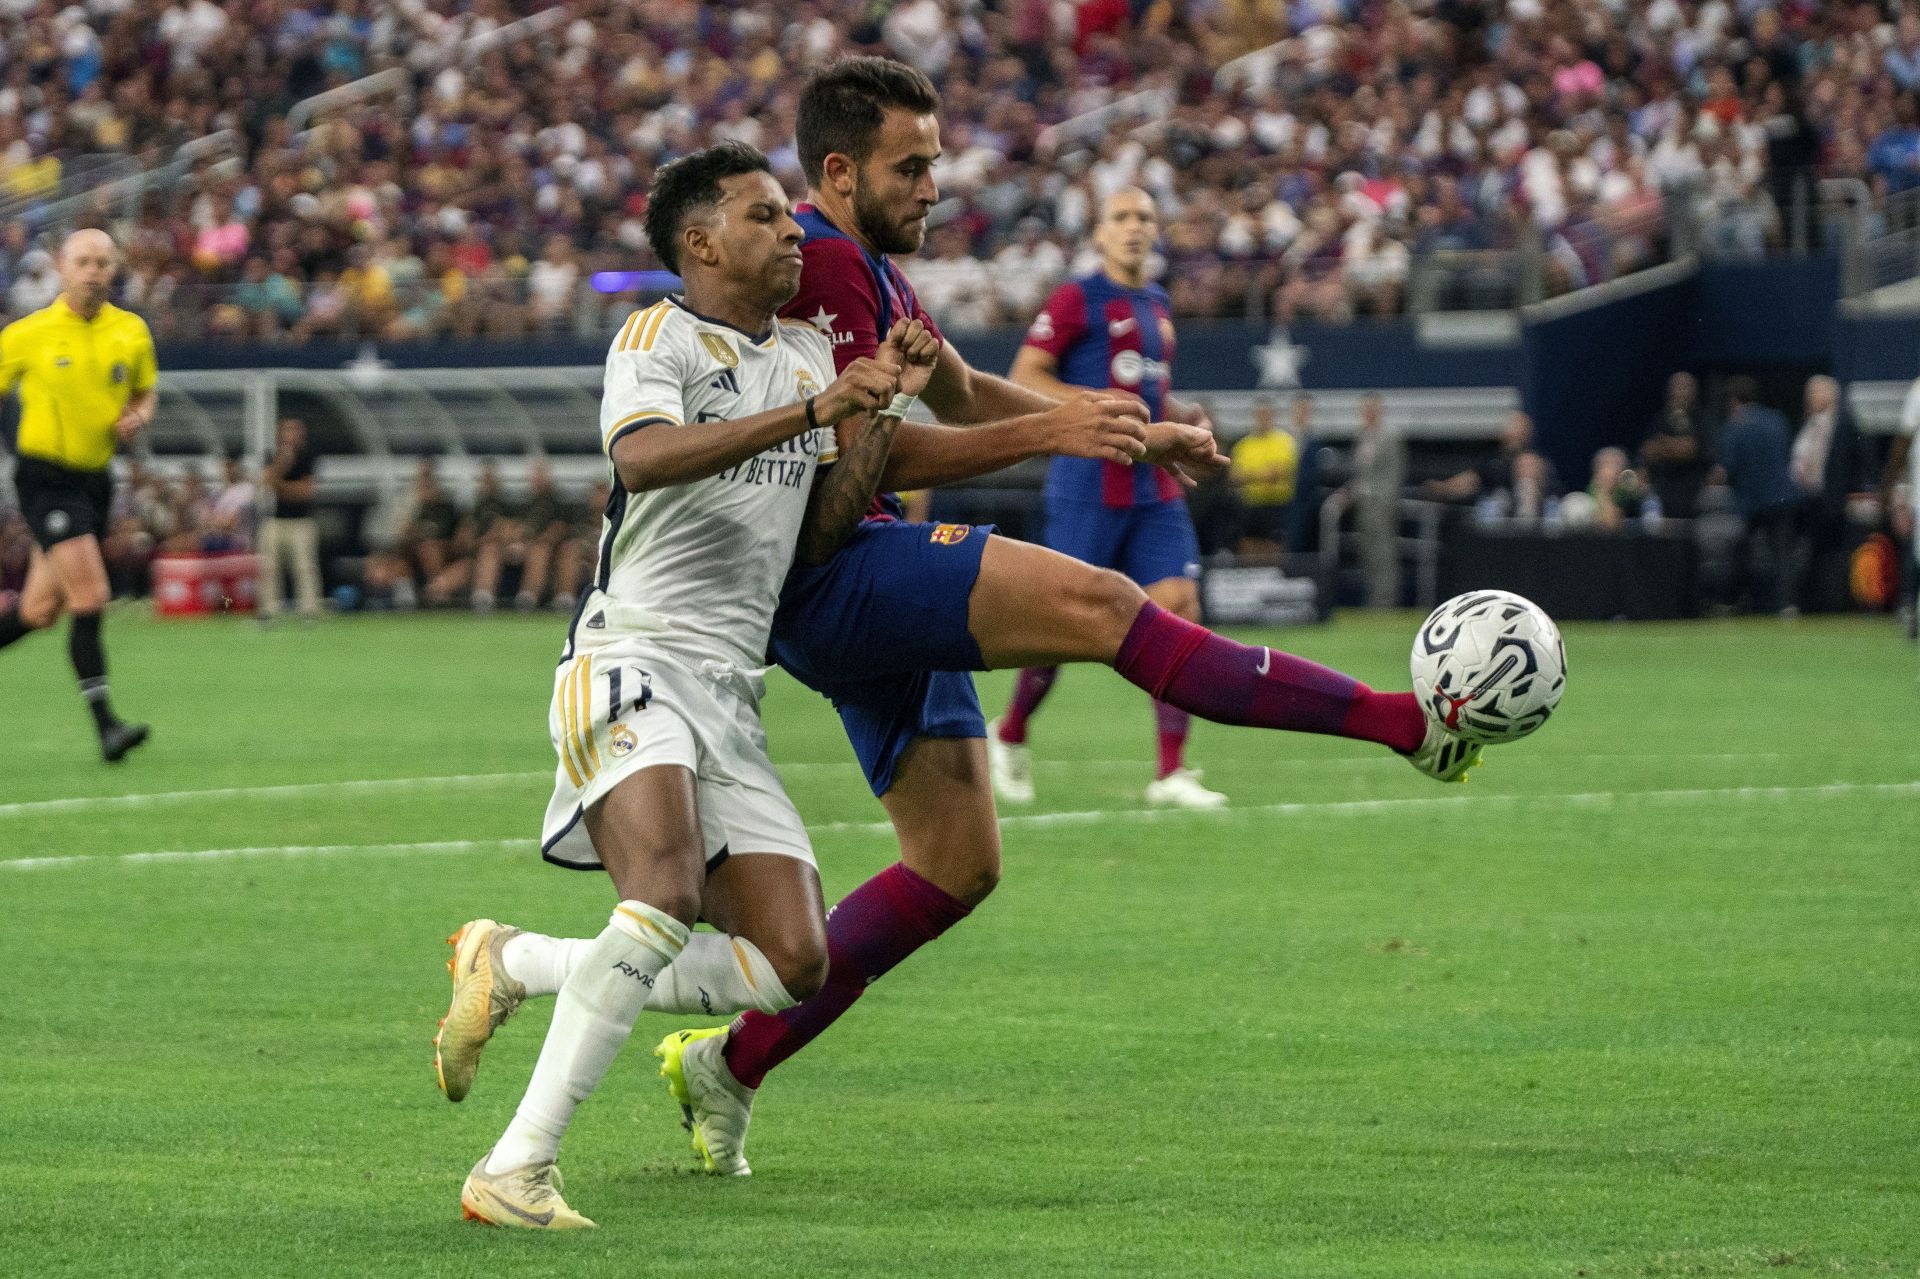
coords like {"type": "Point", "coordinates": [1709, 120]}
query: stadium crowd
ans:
{"type": "Point", "coordinates": [1304, 154]}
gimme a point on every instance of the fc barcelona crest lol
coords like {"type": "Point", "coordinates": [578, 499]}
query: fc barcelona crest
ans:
{"type": "Point", "coordinates": [950, 534]}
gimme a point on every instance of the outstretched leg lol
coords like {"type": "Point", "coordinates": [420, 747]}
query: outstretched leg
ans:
{"type": "Point", "coordinates": [1031, 607]}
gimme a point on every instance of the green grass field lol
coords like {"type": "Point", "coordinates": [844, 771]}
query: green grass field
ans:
{"type": "Point", "coordinates": [1644, 999]}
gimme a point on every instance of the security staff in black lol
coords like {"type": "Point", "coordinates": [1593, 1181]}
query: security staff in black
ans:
{"type": "Point", "coordinates": [85, 373]}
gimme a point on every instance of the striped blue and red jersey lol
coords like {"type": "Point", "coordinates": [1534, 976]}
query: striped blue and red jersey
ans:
{"type": "Point", "coordinates": [853, 297]}
{"type": "Point", "coordinates": [1106, 335]}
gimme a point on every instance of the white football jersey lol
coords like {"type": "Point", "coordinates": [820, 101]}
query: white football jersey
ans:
{"type": "Point", "coordinates": [697, 568]}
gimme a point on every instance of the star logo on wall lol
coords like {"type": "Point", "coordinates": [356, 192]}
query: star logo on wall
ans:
{"type": "Point", "coordinates": [1279, 360]}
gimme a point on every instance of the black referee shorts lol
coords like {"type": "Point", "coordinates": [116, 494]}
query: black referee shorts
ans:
{"type": "Point", "coordinates": [61, 503]}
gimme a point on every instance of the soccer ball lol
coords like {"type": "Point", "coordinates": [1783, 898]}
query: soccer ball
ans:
{"type": "Point", "coordinates": [1490, 665]}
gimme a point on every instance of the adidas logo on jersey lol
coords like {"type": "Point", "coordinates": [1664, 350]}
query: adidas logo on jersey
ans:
{"type": "Point", "coordinates": [598, 622]}
{"type": "Point", "coordinates": [726, 382]}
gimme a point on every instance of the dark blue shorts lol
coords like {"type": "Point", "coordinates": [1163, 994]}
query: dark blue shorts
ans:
{"type": "Point", "coordinates": [881, 630]}
{"type": "Point", "coordinates": [1149, 542]}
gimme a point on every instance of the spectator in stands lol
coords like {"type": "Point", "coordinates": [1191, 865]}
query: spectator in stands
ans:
{"type": "Point", "coordinates": [551, 284]}
{"type": "Point", "coordinates": [1515, 483]}
{"type": "Point", "coordinates": [426, 541]}
{"type": "Point", "coordinates": [1026, 270]}
{"type": "Point", "coordinates": [1756, 452]}
{"type": "Point", "coordinates": [1616, 491]}
{"type": "Point", "coordinates": [1895, 154]}
{"type": "Point", "coordinates": [490, 519]}
{"type": "Point", "coordinates": [230, 513]}
{"type": "Point", "coordinates": [580, 548]}
{"type": "Point", "coordinates": [1264, 472]}
{"type": "Point", "coordinates": [36, 282]}
{"type": "Point", "coordinates": [1827, 467]}
{"type": "Point", "coordinates": [1292, 180]}
{"type": "Point", "coordinates": [289, 534]}
{"type": "Point", "coordinates": [1675, 455]}
{"type": "Point", "coordinates": [951, 284]}
{"type": "Point", "coordinates": [530, 540]}
{"type": "Point", "coordinates": [193, 510]}
{"type": "Point", "coordinates": [1379, 476]}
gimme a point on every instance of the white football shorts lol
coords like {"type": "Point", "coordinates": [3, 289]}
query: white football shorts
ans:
{"type": "Point", "coordinates": [624, 706]}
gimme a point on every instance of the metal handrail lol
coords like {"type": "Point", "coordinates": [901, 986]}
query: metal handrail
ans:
{"type": "Point", "coordinates": [135, 185]}
{"type": "Point", "coordinates": [344, 95]}
{"type": "Point", "coordinates": [77, 178]}
{"type": "Point", "coordinates": [1242, 67]}
{"type": "Point", "coordinates": [400, 79]}
{"type": "Point", "coordinates": [486, 42]}
{"type": "Point", "coordinates": [1152, 104]}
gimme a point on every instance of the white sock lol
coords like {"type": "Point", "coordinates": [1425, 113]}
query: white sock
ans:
{"type": "Point", "coordinates": [599, 1002]}
{"type": "Point", "coordinates": [541, 963]}
{"type": "Point", "coordinates": [719, 975]}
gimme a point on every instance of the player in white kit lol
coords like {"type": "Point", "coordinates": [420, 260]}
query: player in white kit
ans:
{"type": "Point", "coordinates": [720, 426]}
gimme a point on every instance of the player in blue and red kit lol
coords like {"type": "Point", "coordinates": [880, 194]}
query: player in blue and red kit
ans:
{"type": "Point", "coordinates": [1112, 330]}
{"type": "Point", "coordinates": [889, 628]}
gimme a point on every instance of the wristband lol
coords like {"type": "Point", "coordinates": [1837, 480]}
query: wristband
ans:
{"type": "Point", "coordinates": [901, 406]}
{"type": "Point", "coordinates": [812, 421]}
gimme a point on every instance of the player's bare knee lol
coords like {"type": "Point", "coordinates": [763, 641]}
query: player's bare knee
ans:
{"type": "Point", "coordinates": [1106, 603]}
{"type": "Point", "coordinates": [981, 879]}
{"type": "Point", "coordinates": [801, 965]}
{"type": "Point", "coordinates": [967, 870]}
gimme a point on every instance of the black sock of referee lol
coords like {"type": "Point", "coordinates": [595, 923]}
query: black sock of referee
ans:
{"type": "Point", "coordinates": [90, 664]}
{"type": "Point", "coordinates": [11, 627]}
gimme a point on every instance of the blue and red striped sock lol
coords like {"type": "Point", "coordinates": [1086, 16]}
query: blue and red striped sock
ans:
{"type": "Point", "coordinates": [1029, 690]}
{"type": "Point", "coordinates": [873, 928]}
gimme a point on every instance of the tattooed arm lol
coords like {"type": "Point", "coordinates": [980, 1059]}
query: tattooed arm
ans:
{"type": "Point", "coordinates": [844, 491]}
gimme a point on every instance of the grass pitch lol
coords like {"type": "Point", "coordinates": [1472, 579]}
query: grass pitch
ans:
{"type": "Point", "coordinates": [1641, 1000]}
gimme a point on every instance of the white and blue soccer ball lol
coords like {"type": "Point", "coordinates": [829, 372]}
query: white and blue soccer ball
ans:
{"type": "Point", "coordinates": [1490, 666]}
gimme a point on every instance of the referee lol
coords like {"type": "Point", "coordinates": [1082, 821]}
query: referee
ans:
{"type": "Point", "coordinates": [85, 371]}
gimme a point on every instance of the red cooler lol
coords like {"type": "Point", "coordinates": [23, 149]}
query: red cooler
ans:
{"type": "Point", "coordinates": [204, 585]}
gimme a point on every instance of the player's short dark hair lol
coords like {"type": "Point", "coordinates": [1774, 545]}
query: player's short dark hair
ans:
{"type": "Point", "coordinates": [843, 107]}
{"type": "Point", "coordinates": [1743, 390]}
{"type": "Point", "coordinates": [689, 182]}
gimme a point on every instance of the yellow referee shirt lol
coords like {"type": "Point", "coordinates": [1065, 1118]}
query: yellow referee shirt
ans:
{"type": "Point", "coordinates": [1266, 467]}
{"type": "Point", "coordinates": [75, 378]}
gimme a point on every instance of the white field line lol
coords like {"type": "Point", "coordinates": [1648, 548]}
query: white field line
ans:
{"type": "Point", "coordinates": [94, 803]}
{"type": "Point", "coordinates": [266, 850]}
{"type": "Point", "coordinates": [1367, 807]}
{"type": "Point", "coordinates": [1333, 808]}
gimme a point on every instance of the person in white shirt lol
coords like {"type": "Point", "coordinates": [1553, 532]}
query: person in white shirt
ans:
{"type": "Point", "coordinates": [720, 423]}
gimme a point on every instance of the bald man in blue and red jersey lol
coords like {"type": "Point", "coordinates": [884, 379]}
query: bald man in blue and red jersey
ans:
{"type": "Point", "coordinates": [891, 626]}
{"type": "Point", "coordinates": [1112, 329]}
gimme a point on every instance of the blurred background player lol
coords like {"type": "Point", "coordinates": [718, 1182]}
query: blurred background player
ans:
{"type": "Point", "coordinates": [1112, 329]}
{"type": "Point", "coordinates": [86, 372]}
